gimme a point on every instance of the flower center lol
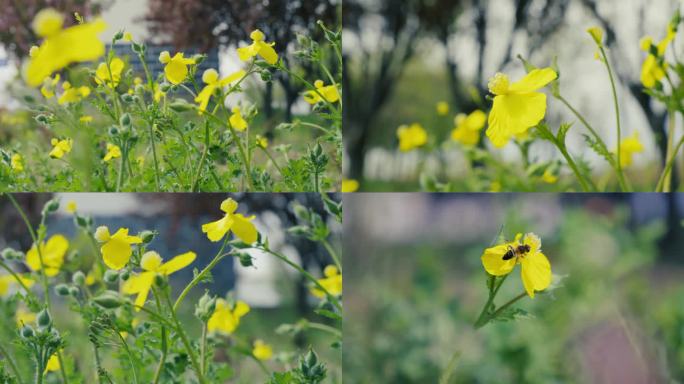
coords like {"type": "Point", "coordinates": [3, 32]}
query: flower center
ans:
{"type": "Point", "coordinates": [498, 84]}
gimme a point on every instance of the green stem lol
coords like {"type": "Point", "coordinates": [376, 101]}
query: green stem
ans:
{"type": "Point", "coordinates": [275, 163]}
{"type": "Point", "coordinates": [130, 357]}
{"type": "Point", "coordinates": [332, 253]}
{"type": "Point", "coordinates": [164, 346]}
{"type": "Point", "coordinates": [12, 364]}
{"type": "Point", "coordinates": [481, 319]}
{"type": "Point", "coordinates": [669, 165]}
{"type": "Point", "coordinates": [508, 304]}
{"type": "Point", "coordinates": [200, 276]}
{"type": "Point", "coordinates": [154, 156]}
{"type": "Point", "coordinates": [184, 339]}
{"type": "Point", "coordinates": [16, 277]}
{"type": "Point", "coordinates": [325, 328]}
{"type": "Point", "coordinates": [203, 349]}
{"type": "Point", "coordinates": [202, 158]}
{"type": "Point", "coordinates": [667, 183]}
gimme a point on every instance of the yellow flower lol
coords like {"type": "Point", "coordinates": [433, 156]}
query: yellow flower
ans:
{"type": "Point", "coordinates": [113, 152]}
{"type": "Point", "coordinates": [158, 94]}
{"type": "Point", "coordinates": [71, 207]}
{"type": "Point", "coordinates": [442, 108]}
{"type": "Point", "coordinates": [211, 78]}
{"type": "Point", "coordinates": [258, 47]}
{"type": "Point", "coordinates": [329, 93]}
{"type": "Point", "coordinates": [128, 37]}
{"type": "Point", "coordinates": [140, 160]}
{"type": "Point", "coordinates": [73, 95]}
{"type": "Point", "coordinates": [596, 34]}
{"type": "Point", "coordinates": [102, 75]}
{"type": "Point", "coordinates": [411, 137]}
{"type": "Point", "coordinates": [261, 142]}
{"type": "Point", "coordinates": [92, 277]}
{"type": "Point", "coordinates": [116, 250]}
{"type": "Point", "coordinates": [495, 186]}
{"type": "Point", "coordinates": [467, 131]}
{"type": "Point", "coordinates": [49, 86]}
{"type": "Point", "coordinates": [628, 147]}
{"type": "Point", "coordinates": [86, 119]}
{"type": "Point", "coordinates": [332, 282]}
{"type": "Point", "coordinates": [349, 185]}
{"type": "Point", "coordinates": [262, 351]}
{"type": "Point", "coordinates": [176, 67]}
{"type": "Point", "coordinates": [8, 281]}
{"type": "Point", "coordinates": [53, 364]}
{"type": "Point", "coordinates": [23, 316]}
{"type": "Point", "coordinates": [152, 265]}
{"type": "Point", "coordinates": [526, 251]}
{"type": "Point", "coordinates": [549, 177]}
{"type": "Point", "coordinates": [52, 254]}
{"type": "Point", "coordinates": [517, 107]}
{"type": "Point", "coordinates": [651, 70]}
{"type": "Point", "coordinates": [237, 121]}
{"type": "Point", "coordinates": [62, 47]}
{"type": "Point", "coordinates": [226, 319]}
{"type": "Point", "coordinates": [17, 163]}
{"type": "Point", "coordinates": [60, 147]}
{"type": "Point", "coordinates": [239, 224]}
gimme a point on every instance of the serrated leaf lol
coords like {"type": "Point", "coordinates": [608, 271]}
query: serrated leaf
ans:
{"type": "Point", "coordinates": [563, 132]}
{"type": "Point", "coordinates": [328, 314]}
{"type": "Point", "coordinates": [511, 314]}
{"type": "Point", "coordinates": [600, 150]}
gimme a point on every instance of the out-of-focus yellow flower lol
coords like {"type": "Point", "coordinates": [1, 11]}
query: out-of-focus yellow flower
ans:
{"type": "Point", "coordinates": [350, 185]}
{"type": "Point", "coordinates": [60, 147]}
{"type": "Point", "coordinates": [411, 137]}
{"type": "Point", "coordinates": [517, 107]}
{"type": "Point", "coordinates": [86, 119]}
{"type": "Point", "coordinates": [53, 364]}
{"type": "Point", "coordinates": [176, 67]}
{"type": "Point", "coordinates": [71, 207]}
{"type": "Point", "coordinates": [116, 250]}
{"type": "Point", "coordinates": [442, 108]}
{"type": "Point", "coordinates": [237, 121]}
{"type": "Point", "coordinates": [226, 319]}
{"type": "Point", "coordinates": [24, 316]}
{"type": "Point", "coordinates": [329, 92]}
{"type": "Point", "coordinates": [8, 281]}
{"type": "Point", "coordinates": [62, 47]}
{"type": "Point", "coordinates": [137, 80]}
{"type": "Point", "coordinates": [651, 70]}
{"type": "Point", "coordinates": [113, 152]}
{"type": "Point", "coordinates": [628, 147]}
{"type": "Point", "coordinates": [241, 226]}
{"type": "Point", "coordinates": [467, 131]}
{"type": "Point", "coordinates": [152, 264]}
{"type": "Point", "coordinates": [262, 351]}
{"type": "Point", "coordinates": [128, 37]}
{"type": "Point", "coordinates": [158, 94]}
{"type": "Point", "coordinates": [52, 252]}
{"type": "Point", "coordinates": [49, 86]}
{"type": "Point", "coordinates": [140, 160]}
{"type": "Point", "coordinates": [526, 251]}
{"type": "Point", "coordinates": [17, 163]}
{"type": "Point", "coordinates": [73, 95]}
{"type": "Point", "coordinates": [495, 186]}
{"type": "Point", "coordinates": [332, 282]}
{"type": "Point", "coordinates": [92, 277]}
{"type": "Point", "coordinates": [549, 177]}
{"type": "Point", "coordinates": [258, 47]}
{"type": "Point", "coordinates": [261, 142]}
{"type": "Point", "coordinates": [103, 76]}
{"type": "Point", "coordinates": [211, 78]}
{"type": "Point", "coordinates": [596, 34]}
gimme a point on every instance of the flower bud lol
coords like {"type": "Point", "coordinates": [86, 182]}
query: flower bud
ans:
{"type": "Point", "coordinates": [119, 35]}
{"type": "Point", "coordinates": [159, 281]}
{"type": "Point", "coordinates": [205, 307]}
{"type": "Point", "coordinates": [147, 236]}
{"type": "Point", "coordinates": [62, 290]}
{"type": "Point", "coordinates": [43, 319]}
{"type": "Point", "coordinates": [81, 222]}
{"type": "Point", "coordinates": [51, 206]}
{"type": "Point", "coordinates": [125, 120]}
{"type": "Point", "coordinates": [78, 278]}
{"type": "Point", "coordinates": [108, 300]}
{"type": "Point", "coordinates": [113, 130]}
{"type": "Point", "coordinates": [125, 275]}
{"type": "Point", "coordinates": [27, 332]}
{"type": "Point", "coordinates": [245, 260]}
{"type": "Point", "coordinates": [110, 276]}
{"type": "Point", "coordinates": [74, 291]}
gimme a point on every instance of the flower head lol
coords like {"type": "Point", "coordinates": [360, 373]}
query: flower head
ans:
{"type": "Point", "coordinates": [62, 47]}
{"type": "Point", "coordinates": [113, 152]}
{"type": "Point", "coordinates": [53, 364]}
{"type": "Point", "coordinates": [24, 316]}
{"type": "Point", "coordinates": [116, 250]}
{"type": "Point", "coordinates": [517, 107]}
{"type": "Point", "coordinates": [241, 226]}
{"type": "Point", "coordinates": [332, 282]}
{"type": "Point", "coordinates": [176, 67]}
{"type": "Point", "coordinates": [653, 69]}
{"type": "Point", "coordinates": [258, 47]}
{"type": "Point", "coordinates": [152, 264]}
{"type": "Point", "coordinates": [349, 185]}
{"type": "Point", "coordinates": [17, 163]}
{"type": "Point", "coordinates": [261, 142]}
{"type": "Point", "coordinates": [8, 281]}
{"type": "Point", "coordinates": [596, 34]}
{"type": "Point", "coordinates": [226, 318]}
{"type": "Point", "coordinates": [442, 108]}
{"type": "Point", "coordinates": [86, 119]}
{"type": "Point", "coordinates": [49, 86]}
{"type": "Point", "coordinates": [213, 81]}
{"type": "Point", "coordinates": [411, 137]}
{"type": "Point", "coordinates": [328, 92]}
{"type": "Point", "coordinates": [628, 147]}
{"type": "Point", "coordinates": [110, 74]}
{"type": "Point", "coordinates": [262, 351]}
{"type": "Point", "coordinates": [549, 177]}
{"type": "Point", "coordinates": [237, 121]}
{"type": "Point", "coordinates": [60, 147]}
{"type": "Point", "coordinates": [73, 95]}
{"type": "Point", "coordinates": [71, 207]}
{"type": "Point", "coordinates": [467, 131]}
{"type": "Point", "coordinates": [52, 253]}
{"type": "Point", "coordinates": [526, 251]}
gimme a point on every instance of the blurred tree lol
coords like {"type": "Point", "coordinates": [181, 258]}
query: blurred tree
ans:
{"type": "Point", "coordinates": [16, 34]}
{"type": "Point", "coordinates": [211, 23]}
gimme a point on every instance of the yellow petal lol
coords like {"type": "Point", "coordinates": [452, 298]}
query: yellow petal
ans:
{"type": "Point", "coordinates": [536, 272]}
{"type": "Point", "coordinates": [217, 229]}
{"type": "Point", "coordinates": [267, 52]}
{"type": "Point", "coordinates": [116, 253]}
{"type": "Point", "coordinates": [493, 262]}
{"type": "Point", "coordinates": [476, 120]}
{"type": "Point", "coordinates": [244, 229]}
{"type": "Point", "coordinates": [533, 81]}
{"type": "Point", "coordinates": [229, 205]}
{"type": "Point", "coordinates": [514, 114]}
{"type": "Point", "coordinates": [177, 263]}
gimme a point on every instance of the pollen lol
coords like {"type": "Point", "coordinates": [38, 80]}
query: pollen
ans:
{"type": "Point", "coordinates": [498, 84]}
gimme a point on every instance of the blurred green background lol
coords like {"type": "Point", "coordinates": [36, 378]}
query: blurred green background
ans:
{"type": "Point", "coordinates": [415, 285]}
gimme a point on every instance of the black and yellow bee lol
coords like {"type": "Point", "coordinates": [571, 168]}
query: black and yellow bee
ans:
{"type": "Point", "coordinates": [516, 251]}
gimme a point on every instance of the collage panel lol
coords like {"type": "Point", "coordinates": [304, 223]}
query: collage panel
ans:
{"type": "Point", "coordinates": [513, 95]}
{"type": "Point", "coordinates": [513, 288]}
{"type": "Point", "coordinates": [170, 288]}
{"type": "Point", "coordinates": [170, 96]}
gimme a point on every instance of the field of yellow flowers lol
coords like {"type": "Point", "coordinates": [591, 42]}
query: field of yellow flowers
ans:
{"type": "Point", "coordinates": [105, 306]}
{"type": "Point", "coordinates": [89, 123]}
